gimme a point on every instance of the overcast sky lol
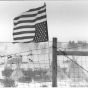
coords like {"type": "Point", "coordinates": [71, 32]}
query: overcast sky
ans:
{"type": "Point", "coordinates": [67, 20]}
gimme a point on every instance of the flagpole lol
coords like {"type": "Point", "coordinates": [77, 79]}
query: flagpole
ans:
{"type": "Point", "coordinates": [44, 3]}
{"type": "Point", "coordinates": [48, 43]}
{"type": "Point", "coordinates": [5, 54]}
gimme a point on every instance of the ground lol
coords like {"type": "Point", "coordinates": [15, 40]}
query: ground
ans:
{"type": "Point", "coordinates": [61, 84]}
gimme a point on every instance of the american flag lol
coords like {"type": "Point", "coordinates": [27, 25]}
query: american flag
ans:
{"type": "Point", "coordinates": [31, 26]}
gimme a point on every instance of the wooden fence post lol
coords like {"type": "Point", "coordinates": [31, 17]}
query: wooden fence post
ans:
{"type": "Point", "coordinates": [54, 63]}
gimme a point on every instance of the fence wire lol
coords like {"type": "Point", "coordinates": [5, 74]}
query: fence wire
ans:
{"type": "Point", "coordinates": [35, 67]}
{"type": "Point", "coordinates": [26, 68]}
{"type": "Point", "coordinates": [72, 71]}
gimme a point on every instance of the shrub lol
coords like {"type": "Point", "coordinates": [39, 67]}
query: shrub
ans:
{"type": "Point", "coordinates": [27, 72]}
{"type": "Point", "coordinates": [38, 78]}
{"type": "Point", "coordinates": [25, 79]}
{"type": "Point", "coordinates": [8, 82]}
{"type": "Point", "coordinates": [7, 72]}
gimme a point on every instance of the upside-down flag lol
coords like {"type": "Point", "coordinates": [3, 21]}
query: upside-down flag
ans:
{"type": "Point", "coordinates": [31, 26]}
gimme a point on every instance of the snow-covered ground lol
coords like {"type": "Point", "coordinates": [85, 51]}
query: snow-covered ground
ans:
{"type": "Point", "coordinates": [61, 84]}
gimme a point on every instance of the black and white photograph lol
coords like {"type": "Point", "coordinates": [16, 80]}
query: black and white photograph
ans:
{"type": "Point", "coordinates": [43, 43]}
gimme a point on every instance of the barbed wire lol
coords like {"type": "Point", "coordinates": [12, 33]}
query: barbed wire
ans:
{"type": "Point", "coordinates": [9, 56]}
{"type": "Point", "coordinates": [71, 59]}
{"type": "Point", "coordinates": [25, 52]}
{"type": "Point", "coordinates": [41, 49]}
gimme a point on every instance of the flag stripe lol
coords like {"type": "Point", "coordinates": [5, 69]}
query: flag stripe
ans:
{"type": "Point", "coordinates": [23, 32]}
{"type": "Point", "coordinates": [30, 21]}
{"type": "Point", "coordinates": [24, 35]}
{"type": "Point", "coordinates": [42, 20]}
{"type": "Point", "coordinates": [24, 16]}
{"type": "Point", "coordinates": [30, 14]}
{"type": "Point", "coordinates": [24, 40]}
{"type": "Point", "coordinates": [36, 9]}
{"type": "Point", "coordinates": [24, 21]}
{"type": "Point", "coordinates": [22, 27]}
{"type": "Point", "coordinates": [20, 24]}
{"type": "Point", "coordinates": [29, 18]}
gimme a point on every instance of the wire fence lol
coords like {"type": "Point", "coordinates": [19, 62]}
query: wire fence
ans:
{"type": "Point", "coordinates": [72, 71]}
{"type": "Point", "coordinates": [26, 68]}
{"type": "Point", "coordinates": [33, 68]}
